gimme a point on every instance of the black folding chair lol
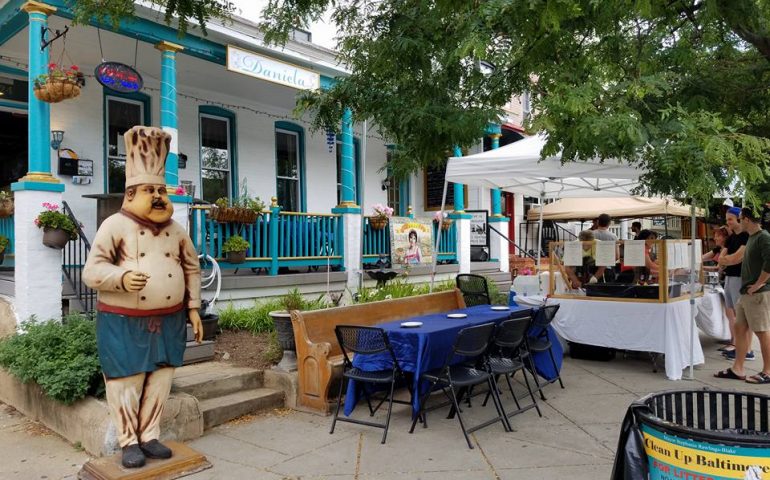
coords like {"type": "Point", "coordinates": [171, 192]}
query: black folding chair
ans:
{"type": "Point", "coordinates": [508, 358]}
{"type": "Point", "coordinates": [367, 341]}
{"type": "Point", "coordinates": [474, 289]}
{"type": "Point", "coordinates": [472, 343]}
{"type": "Point", "coordinates": [541, 343]}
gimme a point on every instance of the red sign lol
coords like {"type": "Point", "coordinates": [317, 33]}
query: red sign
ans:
{"type": "Point", "coordinates": [118, 77]}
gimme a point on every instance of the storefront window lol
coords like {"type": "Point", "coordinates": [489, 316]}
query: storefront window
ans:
{"type": "Point", "coordinates": [287, 166]}
{"type": "Point", "coordinates": [216, 157]}
{"type": "Point", "coordinates": [122, 114]}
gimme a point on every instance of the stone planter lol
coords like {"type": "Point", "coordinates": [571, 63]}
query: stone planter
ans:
{"type": "Point", "coordinates": [285, 333]}
{"type": "Point", "coordinates": [55, 238]}
{"type": "Point", "coordinates": [236, 257]}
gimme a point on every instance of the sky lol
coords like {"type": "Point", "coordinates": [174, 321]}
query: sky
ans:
{"type": "Point", "coordinates": [323, 33]}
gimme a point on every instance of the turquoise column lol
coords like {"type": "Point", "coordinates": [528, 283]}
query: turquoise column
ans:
{"type": "Point", "coordinates": [459, 193]}
{"type": "Point", "coordinates": [168, 111]}
{"type": "Point", "coordinates": [38, 175]}
{"type": "Point", "coordinates": [347, 162]}
{"type": "Point", "coordinates": [494, 133]}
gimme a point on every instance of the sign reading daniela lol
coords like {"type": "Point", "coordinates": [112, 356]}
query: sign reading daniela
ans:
{"type": "Point", "coordinates": [266, 68]}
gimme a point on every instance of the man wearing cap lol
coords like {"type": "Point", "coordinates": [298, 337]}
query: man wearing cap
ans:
{"type": "Point", "coordinates": [146, 272]}
{"type": "Point", "coordinates": [736, 246]}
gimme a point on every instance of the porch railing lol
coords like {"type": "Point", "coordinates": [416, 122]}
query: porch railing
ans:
{"type": "Point", "coordinates": [377, 243]}
{"type": "Point", "coordinates": [277, 239]}
{"type": "Point", "coordinates": [7, 230]}
{"type": "Point", "coordinates": [74, 258]}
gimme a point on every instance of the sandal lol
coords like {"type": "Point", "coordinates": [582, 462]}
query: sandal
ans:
{"type": "Point", "coordinates": [727, 348]}
{"type": "Point", "coordinates": [728, 373]}
{"type": "Point", "coordinates": [761, 378]}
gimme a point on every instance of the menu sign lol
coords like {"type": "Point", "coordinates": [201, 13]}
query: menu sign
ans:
{"type": "Point", "coordinates": [118, 77]}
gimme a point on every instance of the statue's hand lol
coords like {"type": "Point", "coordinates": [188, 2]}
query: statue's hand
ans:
{"type": "Point", "coordinates": [135, 281]}
{"type": "Point", "coordinates": [195, 320]}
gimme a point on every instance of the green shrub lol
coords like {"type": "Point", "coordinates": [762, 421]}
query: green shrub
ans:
{"type": "Point", "coordinates": [400, 289]}
{"type": "Point", "coordinates": [60, 357]}
{"type": "Point", "coordinates": [236, 243]}
{"type": "Point", "coordinates": [256, 318]}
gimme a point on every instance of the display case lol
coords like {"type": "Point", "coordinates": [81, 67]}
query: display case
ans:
{"type": "Point", "coordinates": [656, 271]}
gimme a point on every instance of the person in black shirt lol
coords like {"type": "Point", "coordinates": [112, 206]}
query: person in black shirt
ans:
{"type": "Point", "coordinates": [731, 263]}
{"type": "Point", "coordinates": [766, 216]}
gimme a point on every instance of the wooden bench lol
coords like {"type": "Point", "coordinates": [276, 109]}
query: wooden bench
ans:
{"type": "Point", "coordinates": [319, 358]}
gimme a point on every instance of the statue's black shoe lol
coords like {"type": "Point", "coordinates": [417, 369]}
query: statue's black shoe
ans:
{"type": "Point", "coordinates": [155, 449]}
{"type": "Point", "coordinates": [133, 456]}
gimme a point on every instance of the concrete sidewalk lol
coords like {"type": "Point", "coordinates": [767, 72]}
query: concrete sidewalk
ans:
{"type": "Point", "coordinates": [576, 438]}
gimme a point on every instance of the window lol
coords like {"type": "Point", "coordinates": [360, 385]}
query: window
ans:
{"type": "Point", "coordinates": [288, 170]}
{"type": "Point", "coordinates": [434, 189]}
{"type": "Point", "coordinates": [398, 190]}
{"type": "Point", "coordinates": [216, 157]}
{"type": "Point", "coordinates": [122, 114]}
{"type": "Point", "coordinates": [339, 170]}
{"type": "Point", "coordinates": [301, 35]}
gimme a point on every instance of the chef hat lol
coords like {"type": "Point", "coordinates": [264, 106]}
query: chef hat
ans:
{"type": "Point", "coordinates": [146, 151]}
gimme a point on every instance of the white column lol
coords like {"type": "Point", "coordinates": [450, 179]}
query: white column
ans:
{"type": "Point", "coordinates": [464, 244]}
{"type": "Point", "coordinates": [38, 272]}
{"type": "Point", "coordinates": [351, 225]}
{"type": "Point", "coordinates": [498, 246]}
{"type": "Point", "coordinates": [518, 218]}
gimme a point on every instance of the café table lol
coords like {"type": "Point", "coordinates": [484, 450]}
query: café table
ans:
{"type": "Point", "coordinates": [423, 348]}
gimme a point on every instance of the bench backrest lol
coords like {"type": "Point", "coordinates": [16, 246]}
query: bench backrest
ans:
{"type": "Point", "coordinates": [319, 324]}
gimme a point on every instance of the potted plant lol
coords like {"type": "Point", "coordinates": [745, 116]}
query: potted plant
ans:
{"type": "Point", "coordinates": [58, 228]}
{"type": "Point", "coordinates": [241, 209]}
{"type": "Point", "coordinates": [58, 84]}
{"type": "Point", "coordinates": [293, 300]}
{"type": "Point", "coordinates": [380, 215]}
{"type": "Point", "coordinates": [6, 204]}
{"type": "Point", "coordinates": [3, 245]}
{"type": "Point", "coordinates": [442, 218]}
{"type": "Point", "coordinates": [235, 247]}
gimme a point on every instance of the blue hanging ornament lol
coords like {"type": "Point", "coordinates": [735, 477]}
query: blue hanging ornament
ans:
{"type": "Point", "coordinates": [330, 139]}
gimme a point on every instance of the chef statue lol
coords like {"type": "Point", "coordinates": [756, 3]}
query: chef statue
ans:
{"type": "Point", "coordinates": [146, 272]}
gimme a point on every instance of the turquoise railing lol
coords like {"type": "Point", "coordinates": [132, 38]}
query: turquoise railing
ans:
{"type": "Point", "coordinates": [6, 229]}
{"type": "Point", "coordinates": [377, 242]}
{"type": "Point", "coordinates": [276, 239]}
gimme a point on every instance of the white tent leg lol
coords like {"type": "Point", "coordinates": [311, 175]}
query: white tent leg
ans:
{"type": "Point", "coordinates": [540, 229]}
{"type": "Point", "coordinates": [438, 238]}
{"type": "Point", "coordinates": [692, 290]}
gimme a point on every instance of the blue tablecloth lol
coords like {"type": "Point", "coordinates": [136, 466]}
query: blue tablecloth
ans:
{"type": "Point", "coordinates": [424, 348]}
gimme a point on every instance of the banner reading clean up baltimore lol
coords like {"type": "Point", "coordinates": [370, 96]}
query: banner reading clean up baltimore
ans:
{"type": "Point", "coordinates": [673, 457]}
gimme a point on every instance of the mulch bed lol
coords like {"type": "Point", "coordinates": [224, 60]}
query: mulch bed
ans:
{"type": "Point", "coordinates": [244, 349]}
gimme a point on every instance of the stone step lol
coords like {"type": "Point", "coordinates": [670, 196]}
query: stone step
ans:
{"type": "Point", "coordinates": [198, 352]}
{"type": "Point", "coordinates": [219, 410]}
{"type": "Point", "coordinates": [215, 379]}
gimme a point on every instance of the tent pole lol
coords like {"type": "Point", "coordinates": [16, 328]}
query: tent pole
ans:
{"type": "Point", "coordinates": [361, 201]}
{"type": "Point", "coordinates": [692, 290]}
{"type": "Point", "coordinates": [540, 229]}
{"type": "Point", "coordinates": [438, 237]}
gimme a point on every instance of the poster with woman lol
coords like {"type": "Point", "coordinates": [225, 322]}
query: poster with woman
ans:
{"type": "Point", "coordinates": [411, 241]}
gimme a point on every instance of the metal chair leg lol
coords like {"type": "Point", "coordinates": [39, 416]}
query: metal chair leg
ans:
{"type": "Point", "coordinates": [499, 404]}
{"type": "Point", "coordinates": [513, 394]}
{"type": "Point", "coordinates": [459, 416]}
{"type": "Point", "coordinates": [534, 375]}
{"type": "Point", "coordinates": [531, 394]}
{"type": "Point", "coordinates": [390, 409]}
{"type": "Point", "coordinates": [339, 402]}
{"type": "Point", "coordinates": [555, 368]}
{"type": "Point", "coordinates": [422, 414]}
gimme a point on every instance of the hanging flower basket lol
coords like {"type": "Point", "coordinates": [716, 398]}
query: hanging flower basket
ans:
{"type": "Point", "coordinates": [6, 207]}
{"type": "Point", "coordinates": [445, 224]}
{"type": "Point", "coordinates": [378, 223]}
{"type": "Point", "coordinates": [236, 257]}
{"type": "Point", "coordinates": [54, 90]}
{"type": "Point", "coordinates": [55, 237]}
{"type": "Point", "coordinates": [233, 215]}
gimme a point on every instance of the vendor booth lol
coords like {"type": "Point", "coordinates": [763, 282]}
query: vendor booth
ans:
{"type": "Point", "coordinates": [588, 208]}
{"type": "Point", "coordinates": [644, 314]}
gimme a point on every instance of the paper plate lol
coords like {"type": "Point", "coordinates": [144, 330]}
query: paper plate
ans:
{"type": "Point", "coordinates": [457, 315]}
{"type": "Point", "coordinates": [500, 308]}
{"type": "Point", "coordinates": [411, 324]}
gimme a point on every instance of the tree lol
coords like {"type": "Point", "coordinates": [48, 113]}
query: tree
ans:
{"type": "Point", "coordinates": [680, 88]}
{"type": "Point", "coordinates": [183, 11]}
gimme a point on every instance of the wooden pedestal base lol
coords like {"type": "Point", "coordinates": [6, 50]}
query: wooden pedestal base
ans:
{"type": "Point", "coordinates": [185, 461]}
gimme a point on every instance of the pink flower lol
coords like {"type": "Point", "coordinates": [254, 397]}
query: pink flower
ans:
{"type": "Point", "coordinates": [51, 66]}
{"type": "Point", "coordinates": [37, 222]}
{"type": "Point", "coordinates": [74, 67]}
{"type": "Point", "coordinates": [180, 190]}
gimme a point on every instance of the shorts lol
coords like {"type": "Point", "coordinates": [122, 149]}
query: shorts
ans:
{"type": "Point", "coordinates": [732, 291]}
{"type": "Point", "coordinates": [754, 310]}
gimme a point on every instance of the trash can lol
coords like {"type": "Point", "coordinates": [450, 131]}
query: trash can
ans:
{"type": "Point", "coordinates": [697, 435]}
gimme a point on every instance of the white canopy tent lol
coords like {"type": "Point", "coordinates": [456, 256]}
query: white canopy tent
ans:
{"type": "Point", "coordinates": [584, 208]}
{"type": "Point", "coordinates": [518, 168]}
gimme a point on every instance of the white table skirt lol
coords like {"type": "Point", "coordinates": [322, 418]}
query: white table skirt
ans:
{"type": "Point", "coordinates": [646, 327]}
{"type": "Point", "coordinates": [710, 316]}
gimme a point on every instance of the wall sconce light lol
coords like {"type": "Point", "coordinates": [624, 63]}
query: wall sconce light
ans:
{"type": "Point", "coordinates": [386, 184]}
{"type": "Point", "coordinates": [182, 160]}
{"type": "Point", "coordinates": [56, 137]}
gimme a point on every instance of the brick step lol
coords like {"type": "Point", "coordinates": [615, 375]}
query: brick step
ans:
{"type": "Point", "coordinates": [215, 379]}
{"type": "Point", "coordinates": [219, 410]}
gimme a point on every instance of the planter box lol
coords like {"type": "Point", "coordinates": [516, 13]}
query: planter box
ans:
{"type": "Point", "coordinates": [88, 420]}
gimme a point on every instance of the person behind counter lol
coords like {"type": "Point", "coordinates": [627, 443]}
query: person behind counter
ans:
{"type": "Point", "coordinates": [588, 272]}
{"type": "Point", "coordinates": [650, 268]}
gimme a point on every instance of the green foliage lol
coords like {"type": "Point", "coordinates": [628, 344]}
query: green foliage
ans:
{"type": "Point", "coordinates": [51, 217]}
{"type": "Point", "coordinates": [274, 351]}
{"type": "Point", "coordinates": [294, 301]}
{"type": "Point", "coordinates": [181, 11]}
{"type": "Point", "coordinates": [235, 243]}
{"type": "Point", "coordinates": [243, 200]}
{"type": "Point", "coordinates": [399, 289]}
{"type": "Point", "coordinates": [677, 88]}
{"type": "Point", "coordinates": [3, 243]}
{"type": "Point", "coordinates": [60, 357]}
{"type": "Point", "coordinates": [256, 318]}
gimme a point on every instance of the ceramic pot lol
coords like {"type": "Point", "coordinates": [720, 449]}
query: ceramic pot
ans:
{"type": "Point", "coordinates": [55, 238]}
{"type": "Point", "coordinates": [285, 334]}
{"type": "Point", "coordinates": [236, 257]}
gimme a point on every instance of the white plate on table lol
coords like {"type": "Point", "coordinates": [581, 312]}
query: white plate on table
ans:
{"type": "Point", "coordinates": [457, 315]}
{"type": "Point", "coordinates": [500, 308]}
{"type": "Point", "coordinates": [411, 324]}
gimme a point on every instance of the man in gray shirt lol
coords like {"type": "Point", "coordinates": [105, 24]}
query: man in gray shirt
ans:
{"type": "Point", "coordinates": [603, 231]}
